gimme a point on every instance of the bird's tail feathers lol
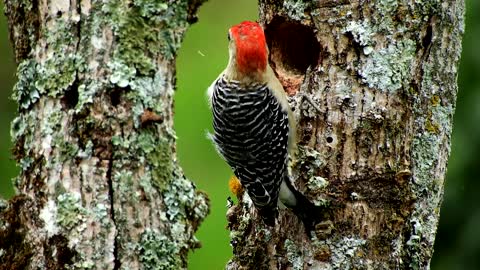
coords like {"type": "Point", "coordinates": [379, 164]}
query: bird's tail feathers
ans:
{"type": "Point", "coordinates": [309, 213]}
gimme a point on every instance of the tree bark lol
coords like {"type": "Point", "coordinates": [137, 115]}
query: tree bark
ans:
{"type": "Point", "coordinates": [373, 85]}
{"type": "Point", "coordinates": [99, 184]}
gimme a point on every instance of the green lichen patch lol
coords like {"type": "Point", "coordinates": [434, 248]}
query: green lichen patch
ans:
{"type": "Point", "coordinates": [440, 118]}
{"type": "Point", "coordinates": [426, 9]}
{"type": "Point", "coordinates": [85, 95]}
{"type": "Point", "coordinates": [239, 228]}
{"type": "Point", "coordinates": [158, 252]}
{"type": "Point", "coordinates": [361, 31]}
{"type": "Point", "coordinates": [145, 31]}
{"type": "Point", "coordinates": [425, 151]}
{"type": "Point", "coordinates": [21, 131]}
{"type": "Point", "coordinates": [294, 255]}
{"type": "Point", "coordinates": [308, 161]}
{"type": "Point", "coordinates": [200, 208]}
{"type": "Point", "coordinates": [317, 183]}
{"type": "Point", "coordinates": [147, 145]}
{"type": "Point", "coordinates": [310, 156]}
{"type": "Point", "coordinates": [414, 245]}
{"type": "Point", "coordinates": [101, 212]}
{"type": "Point", "coordinates": [296, 9]}
{"type": "Point", "coordinates": [388, 69]}
{"type": "Point", "coordinates": [157, 150]}
{"type": "Point", "coordinates": [161, 160]}
{"type": "Point", "coordinates": [344, 252]}
{"type": "Point", "coordinates": [386, 6]}
{"type": "Point", "coordinates": [70, 211]}
{"type": "Point", "coordinates": [58, 70]}
{"type": "Point", "coordinates": [181, 198]}
{"type": "Point", "coordinates": [148, 94]}
{"type": "Point", "coordinates": [122, 74]}
{"type": "Point", "coordinates": [56, 74]}
{"type": "Point", "coordinates": [123, 179]}
{"type": "Point", "coordinates": [83, 264]}
{"type": "Point", "coordinates": [24, 92]}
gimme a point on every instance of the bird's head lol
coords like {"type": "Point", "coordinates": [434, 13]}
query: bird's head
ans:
{"type": "Point", "coordinates": [248, 50]}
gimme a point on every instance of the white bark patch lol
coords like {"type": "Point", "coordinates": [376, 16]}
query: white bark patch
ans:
{"type": "Point", "coordinates": [98, 43]}
{"type": "Point", "coordinates": [46, 145]}
{"type": "Point", "coordinates": [49, 215]}
{"type": "Point", "coordinates": [59, 6]}
{"type": "Point", "coordinates": [361, 31]}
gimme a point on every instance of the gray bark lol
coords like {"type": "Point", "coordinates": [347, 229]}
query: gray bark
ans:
{"type": "Point", "coordinates": [373, 85]}
{"type": "Point", "coordinates": [99, 184]}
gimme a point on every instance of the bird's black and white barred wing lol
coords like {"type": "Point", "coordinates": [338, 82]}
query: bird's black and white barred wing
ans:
{"type": "Point", "coordinates": [251, 133]}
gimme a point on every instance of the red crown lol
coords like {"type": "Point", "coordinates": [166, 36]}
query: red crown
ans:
{"type": "Point", "coordinates": [251, 47]}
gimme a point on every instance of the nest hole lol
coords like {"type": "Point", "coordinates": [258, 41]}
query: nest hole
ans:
{"type": "Point", "coordinates": [293, 46]}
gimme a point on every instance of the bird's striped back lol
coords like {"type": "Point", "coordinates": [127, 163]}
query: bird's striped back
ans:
{"type": "Point", "coordinates": [251, 133]}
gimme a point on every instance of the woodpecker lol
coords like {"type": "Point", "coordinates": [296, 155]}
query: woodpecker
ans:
{"type": "Point", "coordinates": [254, 128]}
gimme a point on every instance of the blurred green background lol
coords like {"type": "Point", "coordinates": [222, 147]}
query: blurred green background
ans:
{"type": "Point", "coordinates": [204, 55]}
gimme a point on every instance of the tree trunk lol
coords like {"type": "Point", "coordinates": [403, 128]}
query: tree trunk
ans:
{"type": "Point", "coordinates": [373, 85]}
{"type": "Point", "coordinates": [99, 187]}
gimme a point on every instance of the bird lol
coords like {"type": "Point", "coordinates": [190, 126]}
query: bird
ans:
{"type": "Point", "coordinates": [254, 127]}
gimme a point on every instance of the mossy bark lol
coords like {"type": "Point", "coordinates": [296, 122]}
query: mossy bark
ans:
{"type": "Point", "coordinates": [99, 184]}
{"type": "Point", "coordinates": [373, 85]}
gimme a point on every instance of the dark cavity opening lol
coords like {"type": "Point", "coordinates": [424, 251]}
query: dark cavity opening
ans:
{"type": "Point", "coordinates": [70, 99]}
{"type": "Point", "coordinates": [427, 39]}
{"type": "Point", "coordinates": [329, 139]}
{"type": "Point", "coordinates": [115, 95]}
{"type": "Point", "coordinates": [293, 46]}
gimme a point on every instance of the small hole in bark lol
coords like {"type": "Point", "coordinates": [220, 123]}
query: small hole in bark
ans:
{"type": "Point", "coordinates": [292, 45]}
{"type": "Point", "coordinates": [427, 39]}
{"type": "Point", "coordinates": [329, 139]}
{"type": "Point", "coordinates": [115, 95]}
{"type": "Point", "coordinates": [70, 99]}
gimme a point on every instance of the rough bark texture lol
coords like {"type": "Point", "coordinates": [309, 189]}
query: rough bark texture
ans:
{"type": "Point", "coordinates": [373, 85]}
{"type": "Point", "coordinates": [99, 186]}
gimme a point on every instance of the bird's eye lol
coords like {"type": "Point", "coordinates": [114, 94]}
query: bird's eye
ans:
{"type": "Point", "coordinates": [228, 36]}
